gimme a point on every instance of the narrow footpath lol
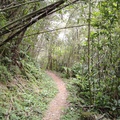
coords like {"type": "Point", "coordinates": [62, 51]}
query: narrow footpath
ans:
{"type": "Point", "coordinates": [57, 105]}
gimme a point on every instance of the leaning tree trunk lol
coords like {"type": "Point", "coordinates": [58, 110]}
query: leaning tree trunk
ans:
{"type": "Point", "coordinates": [15, 50]}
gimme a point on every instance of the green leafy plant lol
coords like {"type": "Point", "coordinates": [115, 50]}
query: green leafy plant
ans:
{"type": "Point", "coordinates": [5, 75]}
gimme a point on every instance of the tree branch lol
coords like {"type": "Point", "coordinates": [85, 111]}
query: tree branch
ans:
{"type": "Point", "coordinates": [15, 6]}
{"type": "Point", "coordinates": [7, 28]}
{"type": "Point", "coordinates": [47, 31]}
{"type": "Point", "coordinates": [54, 6]}
{"type": "Point", "coordinates": [47, 12]}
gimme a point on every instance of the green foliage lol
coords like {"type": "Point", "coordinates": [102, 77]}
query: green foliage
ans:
{"type": "Point", "coordinates": [102, 78]}
{"type": "Point", "coordinates": [69, 56]}
{"type": "Point", "coordinates": [66, 72]}
{"type": "Point", "coordinates": [87, 116]}
{"type": "Point", "coordinates": [75, 109]}
{"type": "Point", "coordinates": [5, 75]}
{"type": "Point", "coordinates": [78, 69]}
{"type": "Point", "coordinates": [2, 19]}
{"type": "Point", "coordinates": [6, 60]}
{"type": "Point", "coordinates": [104, 97]}
{"type": "Point", "coordinates": [70, 114]}
{"type": "Point", "coordinates": [31, 70]}
{"type": "Point", "coordinates": [24, 99]}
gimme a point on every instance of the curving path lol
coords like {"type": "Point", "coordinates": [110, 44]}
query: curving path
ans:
{"type": "Point", "coordinates": [59, 102]}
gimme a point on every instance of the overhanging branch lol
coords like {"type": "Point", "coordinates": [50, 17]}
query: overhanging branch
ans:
{"type": "Point", "coordinates": [47, 31]}
{"type": "Point", "coordinates": [15, 6]}
{"type": "Point", "coordinates": [23, 20]}
{"type": "Point", "coordinates": [45, 13]}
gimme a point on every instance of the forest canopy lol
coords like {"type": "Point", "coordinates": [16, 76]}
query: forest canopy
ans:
{"type": "Point", "coordinates": [78, 38]}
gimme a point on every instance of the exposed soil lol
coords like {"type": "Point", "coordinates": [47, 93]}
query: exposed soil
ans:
{"type": "Point", "coordinates": [56, 106]}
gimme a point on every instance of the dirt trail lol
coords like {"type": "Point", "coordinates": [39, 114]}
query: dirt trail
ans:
{"type": "Point", "coordinates": [59, 102]}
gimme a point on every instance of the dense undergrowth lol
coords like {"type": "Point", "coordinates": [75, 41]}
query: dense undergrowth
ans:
{"type": "Point", "coordinates": [105, 104]}
{"type": "Point", "coordinates": [24, 95]}
{"type": "Point", "coordinates": [79, 108]}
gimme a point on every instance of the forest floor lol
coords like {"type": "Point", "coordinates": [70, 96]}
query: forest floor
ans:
{"type": "Point", "coordinates": [56, 106]}
{"type": "Point", "coordinates": [23, 99]}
